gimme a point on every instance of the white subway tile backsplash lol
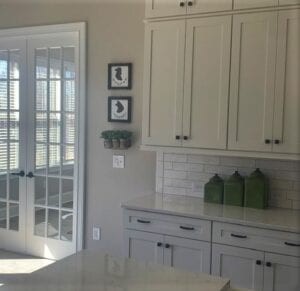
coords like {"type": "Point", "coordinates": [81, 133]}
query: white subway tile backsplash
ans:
{"type": "Point", "coordinates": [183, 174]}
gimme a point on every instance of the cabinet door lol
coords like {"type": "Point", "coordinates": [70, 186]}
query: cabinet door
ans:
{"type": "Point", "coordinates": [252, 81]}
{"type": "Point", "coordinates": [159, 8]}
{"type": "Point", "coordinates": [143, 246]}
{"type": "Point", "coordinates": [239, 265]}
{"type": "Point", "coordinates": [187, 254]}
{"type": "Point", "coordinates": [163, 82]}
{"type": "Point", "coordinates": [207, 82]}
{"type": "Point", "coordinates": [200, 6]}
{"type": "Point", "coordinates": [282, 274]}
{"type": "Point", "coordinates": [245, 4]}
{"type": "Point", "coordinates": [287, 93]}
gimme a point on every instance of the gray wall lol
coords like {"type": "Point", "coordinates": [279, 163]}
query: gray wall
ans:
{"type": "Point", "coordinates": [115, 33]}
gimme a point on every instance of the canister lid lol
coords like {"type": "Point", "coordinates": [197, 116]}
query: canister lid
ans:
{"type": "Point", "coordinates": [216, 179]}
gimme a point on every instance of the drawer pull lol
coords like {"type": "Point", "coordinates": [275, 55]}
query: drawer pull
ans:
{"type": "Point", "coordinates": [143, 221]}
{"type": "Point", "coordinates": [187, 228]}
{"type": "Point", "coordinates": [238, 235]}
{"type": "Point", "coordinates": [291, 244]}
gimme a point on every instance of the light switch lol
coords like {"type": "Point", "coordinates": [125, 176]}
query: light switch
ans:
{"type": "Point", "coordinates": [118, 162]}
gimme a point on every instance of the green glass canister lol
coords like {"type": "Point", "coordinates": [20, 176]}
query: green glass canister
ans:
{"type": "Point", "coordinates": [256, 190]}
{"type": "Point", "coordinates": [213, 190]}
{"type": "Point", "coordinates": [234, 190]}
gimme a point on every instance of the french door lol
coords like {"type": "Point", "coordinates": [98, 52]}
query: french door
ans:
{"type": "Point", "coordinates": [40, 138]}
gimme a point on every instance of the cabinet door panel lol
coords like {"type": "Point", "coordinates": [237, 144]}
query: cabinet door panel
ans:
{"type": "Point", "coordinates": [159, 8]}
{"type": "Point", "coordinates": [287, 93]}
{"type": "Point", "coordinates": [163, 82]}
{"type": "Point", "coordinates": [245, 4]}
{"type": "Point", "coordinates": [283, 273]}
{"type": "Point", "coordinates": [187, 254]}
{"type": "Point", "coordinates": [239, 265]}
{"type": "Point", "coordinates": [200, 6]}
{"type": "Point", "coordinates": [252, 81]}
{"type": "Point", "coordinates": [142, 246]}
{"type": "Point", "coordinates": [207, 82]}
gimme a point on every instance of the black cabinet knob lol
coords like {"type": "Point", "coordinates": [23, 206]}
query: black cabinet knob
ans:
{"type": "Point", "coordinates": [277, 141]}
{"type": "Point", "coordinates": [258, 262]}
{"type": "Point", "coordinates": [190, 3]}
{"type": "Point", "coordinates": [177, 137]}
{"type": "Point", "coordinates": [185, 137]}
{"type": "Point", "coordinates": [267, 141]}
{"type": "Point", "coordinates": [268, 264]}
{"type": "Point", "coordinates": [182, 4]}
{"type": "Point", "coordinates": [159, 244]}
{"type": "Point", "coordinates": [167, 246]}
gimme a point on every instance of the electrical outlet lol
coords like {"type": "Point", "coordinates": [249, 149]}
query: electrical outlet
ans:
{"type": "Point", "coordinates": [96, 233]}
{"type": "Point", "coordinates": [118, 162]}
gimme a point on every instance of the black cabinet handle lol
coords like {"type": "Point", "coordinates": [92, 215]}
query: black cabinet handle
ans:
{"type": "Point", "coordinates": [268, 264]}
{"type": "Point", "coordinates": [185, 137]}
{"type": "Point", "coordinates": [143, 221]}
{"type": "Point", "coordinates": [238, 235]}
{"type": "Point", "coordinates": [258, 262]}
{"type": "Point", "coordinates": [30, 175]}
{"type": "Point", "coordinates": [167, 246]}
{"type": "Point", "coordinates": [159, 244]}
{"type": "Point", "coordinates": [177, 137]}
{"type": "Point", "coordinates": [190, 3]}
{"type": "Point", "coordinates": [20, 174]}
{"type": "Point", "coordinates": [267, 141]}
{"type": "Point", "coordinates": [277, 141]}
{"type": "Point", "coordinates": [182, 4]}
{"type": "Point", "coordinates": [187, 228]}
{"type": "Point", "coordinates": [291, 244]}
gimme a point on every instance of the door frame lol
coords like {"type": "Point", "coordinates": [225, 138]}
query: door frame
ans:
{"type": "Point", "coordinates": [80, 29]}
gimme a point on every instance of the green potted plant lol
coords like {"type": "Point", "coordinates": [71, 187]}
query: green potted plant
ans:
{"type": "Point", "coordinates": [107, 135]}
{"type": "Point", "coordinates": [116, 139]}
{"type": "Point", "coordinates": [125, 139]}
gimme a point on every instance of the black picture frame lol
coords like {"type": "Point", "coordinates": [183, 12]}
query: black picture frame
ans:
{"type": "Point", "coordinates": [123, 103]}
{"type": "Point", "coordinates": [119, 76]}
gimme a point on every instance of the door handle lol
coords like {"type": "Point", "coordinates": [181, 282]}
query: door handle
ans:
{"type": "Point", "coordinates": [20, 174]}
{"type": "Point", "coordinates": [190, 3]}
{"type": "Point", "coordinates": [167, 246]}
{"type": "Point", "coordinates": [291, 244]}
{"type": "Point", "coordinates": [159, 244]}
{"type": "Point", "coordinates": [30, 175]}
{"type": "Point", "coordinates": [269, 264]}
{"type": "Point", "coordinates": [181, 4]}
{"type": "Point", "coordinates": [258, 262]}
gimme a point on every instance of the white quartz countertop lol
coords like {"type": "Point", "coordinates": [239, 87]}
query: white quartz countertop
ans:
{"type": "Point", "coordinates": [95, 271]}
{"type": "Point", "coordinates": [271, 218]}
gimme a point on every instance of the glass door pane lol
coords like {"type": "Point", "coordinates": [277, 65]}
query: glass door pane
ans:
{"type": "Point", "coordinates": [54, 142]}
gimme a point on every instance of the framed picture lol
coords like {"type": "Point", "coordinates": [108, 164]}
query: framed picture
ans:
{"type": "Point", "coordinates": [119, 109]}
{"type": "Point", "coordinates": [119, 76]}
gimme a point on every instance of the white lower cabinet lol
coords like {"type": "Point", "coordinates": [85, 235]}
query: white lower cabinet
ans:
{"type": "Point", "coordinates": [243, 267]}
{"type": "Point", "coordinates": [181, 253]}
{"type": "Point", "coordinates": [281, 273]}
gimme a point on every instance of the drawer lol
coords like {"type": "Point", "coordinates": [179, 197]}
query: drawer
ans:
{"type": "Point", "coordinates": [168, 224]}
{"type": "Point", "coordinates": [247, 4]}
{"type": "Point", "coordinates": [256, 238]}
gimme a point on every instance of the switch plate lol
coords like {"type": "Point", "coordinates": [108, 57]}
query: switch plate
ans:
{"type": "Point", "coordinates": [96, 233]}
{"type": "Point", "coordinates": [118, 162]}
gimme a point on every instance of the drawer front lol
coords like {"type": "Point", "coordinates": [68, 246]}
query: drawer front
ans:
{"type": "Point", "coordinates": [256, 238]}
{"type": "Point", "coordinates": [247, 4]}
{"type": "Point", "coordinates": [168, 224]}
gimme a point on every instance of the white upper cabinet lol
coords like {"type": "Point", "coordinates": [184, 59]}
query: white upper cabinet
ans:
{"type": "Point", "coordinates": [159, 8]}
{"type": "Point", "coordinates": [163, 82]}
{"type": "Point", "coordinates": [252, 81]}
{"type": "Point", "coordinates": [289, 2]}
{"type": "Point", "coordinates": [287, 91]}
{"type": "Point", "coordinates": [207, 62]}
{"type": "Point", "coordinates": [202, 6]}
{"type": "Point", "coordinates": [245, 4]}
{"type": "Point", "coordinates": [165, 8]}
